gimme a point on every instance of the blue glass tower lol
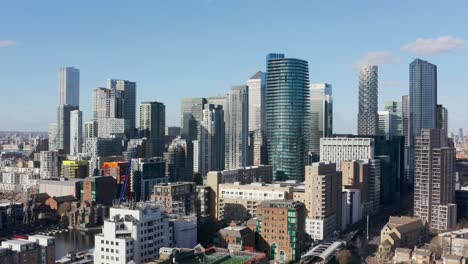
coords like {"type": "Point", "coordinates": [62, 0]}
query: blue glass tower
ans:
{"type": "Point", "coordinates": [287, 106]}
{"type": "Point", "coordinates": [422, 105]}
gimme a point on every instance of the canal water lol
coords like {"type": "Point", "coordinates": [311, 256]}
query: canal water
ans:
{"type": "Point", "coordinates": [72, 241]}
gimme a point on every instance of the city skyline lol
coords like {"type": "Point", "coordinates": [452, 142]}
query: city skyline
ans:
{"type": "Point", "coordinates": [153, 62]}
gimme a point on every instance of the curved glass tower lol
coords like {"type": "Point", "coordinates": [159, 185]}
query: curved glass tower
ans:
{"type": "Point", "coordinates": [287, 106]}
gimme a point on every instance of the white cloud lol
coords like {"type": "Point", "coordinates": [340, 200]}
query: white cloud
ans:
{"type": "Point", "coordinates": [428, 46]}
{"type": "Point", "coordinates": [7, 43]}
{"type": "Point", "coordinates": [378, 58]}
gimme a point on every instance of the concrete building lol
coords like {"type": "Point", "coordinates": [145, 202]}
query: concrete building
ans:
{"type": "Point", "coordinates": [103, 147]}
{"type": "Point", "coordinates": [177, 192]}
{"type": "Point", "coordinates": [256, 86]}
{"type": "Point", "coordinates": [323, 200]}
{"type": "Point", "coordinates": [90, 131]}
{"type": "Point", "coordinates": [368, 100]}
{"type": "Point", "coordinates": [52, 130]}
{"type": "Point", "coordinates": [239, 202]}
{"type": "Point", "coordinates": [209, 150]}
{"type": "Point", "coordinates": [246, 175]}
{"type": "Point", "coordinates": [100, 189]}
{"type": "Point", "coordinates": [62, 187]}
{"type": "Point", "coordinates": [76, 132]}
{"type": "Point", "coordinates": [340, 149]}
{"type": "Point", "coordinates": [69, 86]}
{"type": "Point", "coordinates": [132, 232]}
{"type": "Point", "coordinates": [237, 128]}
{"type": "Point", "coordinates": [112, 127]}
{"type": "Point", "coordinates": [50, 164]}
{"type": "Point", "coordinates": [257, 148]}
{"type": "Point", "coordinates": [351, 207]}
{"type": "Point", "coordinates": [355, 175]}
{"type": "Point", "coordinates": [153, 124]}
{"type": "Point", "coordinates": [280, 224]}
{"type": "Point", "coordinates": [455, 242]}
{"type": "Point", "coordinates": [434, 181]}
{"type": "Point", "coordinates": [321, 114]}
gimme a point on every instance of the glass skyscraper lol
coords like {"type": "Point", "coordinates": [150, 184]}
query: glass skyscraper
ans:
{"type": "Point", "coordinates": [423, 96]}
{"type": "Point", "coordinates": [287, 108]}
{"type": "Point", "coordinates": [321, 115]}
{"type": "Point", "coordinates": [422, 103]}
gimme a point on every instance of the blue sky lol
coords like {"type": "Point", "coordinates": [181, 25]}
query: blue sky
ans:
{"type": "Point", "coordinates": [175, 49]}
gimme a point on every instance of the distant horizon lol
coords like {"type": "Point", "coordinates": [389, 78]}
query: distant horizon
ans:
{"type": "Point", "coordinates": [204, 48]}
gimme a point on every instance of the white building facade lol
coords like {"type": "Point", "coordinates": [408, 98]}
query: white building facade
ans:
{"type": "Point", "coordinates": [134, 232]}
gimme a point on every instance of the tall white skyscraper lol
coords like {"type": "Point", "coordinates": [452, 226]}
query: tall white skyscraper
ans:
{"type": "Point", "coordinates": [256, 86]}
{"type": "Point", "coordinates": [69, 86]}
{"type": "Point", "coordinates": [368, 100]}
{"type": "Point", "coordinates": [321, 114]}
{"type": "Point", "coordinates": [237, 131]}
{"type": "Point", "coordinates": [76, 132]}
{"type": "Point", "coordinates": [209, 149]}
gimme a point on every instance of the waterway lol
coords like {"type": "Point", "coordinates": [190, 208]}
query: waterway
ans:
{"type": "Point", "coordinates": [72, 241]}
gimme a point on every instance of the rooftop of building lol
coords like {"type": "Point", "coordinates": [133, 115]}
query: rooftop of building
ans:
{"type": "Point", "coordinates": [422, 252]}
{"type": "Point", "coordinates": [456, 233]}
{"type": "Point", "coordinates": [235, 231]}
{"type": "Point", "coordinates": [281, 204]}
{"type": "Point", "coordinates": [403, 250]}
{"type": "Point", "coordinates": [453, 257]}
{"type": "Point", "coordinates": [38, 236]}
{"type": "Point", "coordinates": [99, 178]}
{"type": "Point", "coordinates": [18, 242]}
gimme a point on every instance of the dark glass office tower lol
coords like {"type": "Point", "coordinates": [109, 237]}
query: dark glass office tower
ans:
{"type": "Point", "coordinates": [423, 103]}
{"type": "Point", "coordinates": [287, 106]}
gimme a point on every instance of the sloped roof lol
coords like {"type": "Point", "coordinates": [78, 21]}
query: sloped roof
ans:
{"type": "Point", "coordinates": [257, 75]}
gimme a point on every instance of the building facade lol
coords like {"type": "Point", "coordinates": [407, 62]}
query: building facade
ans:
{"type": "Point", "coordinates": [321, 114]}
{"type": "Point", "coordinates": [69, 86]}
{"type": "Point", "coordinates": [287, 107]}
{"type": "Point", "coordinates": [237, 128]}
{"type": "Point", "coordinates": [153, 124]}
{"type": "Point", "coordinates": [280, 224]}
{"type": "Point", "coordinates": [132, 233]}
{"type": "Point", "coordinates": [434, 181]}
{"type": "Point", "coordinates": [322, 200]}
{"type": "Point", "coordinates": [191, 116]}
{"type": "Point", "coordinates": [76, 132]}
{"type": "Point", "coordinates": [368, 100]}
{"type": "Point", "coordinates": [256, 86]}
